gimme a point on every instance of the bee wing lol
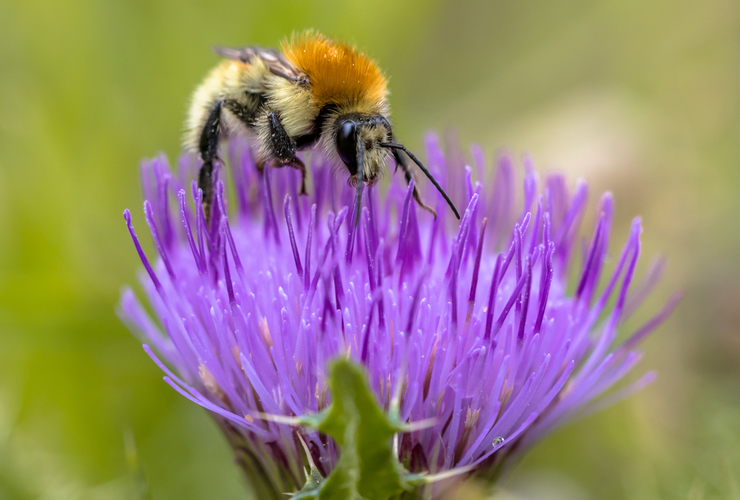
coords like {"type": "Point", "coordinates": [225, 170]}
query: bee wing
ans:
{"type": "Point", "coordinates": [273, 59]}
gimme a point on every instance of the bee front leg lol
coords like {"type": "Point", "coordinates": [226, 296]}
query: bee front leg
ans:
{"type": "Point", "coordinates": [402, 162]}
{"type": "Point", "coordinates": [208, 148]}
{"type": "Point", "coordinates": [282, 147]}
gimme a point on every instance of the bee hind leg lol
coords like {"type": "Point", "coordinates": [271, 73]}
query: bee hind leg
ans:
{"type": "Point", "coordinates": [208, 148]}
{"type": "Point", "coordinates": [205, 184]}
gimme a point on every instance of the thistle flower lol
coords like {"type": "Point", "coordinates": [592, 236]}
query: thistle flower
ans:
{"type": "Point", "coordinates": [466, 325]}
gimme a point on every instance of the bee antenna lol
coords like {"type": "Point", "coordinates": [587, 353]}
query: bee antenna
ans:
{"type": "Point", "coordinates": [358, 196]}
{"type": "Point", "coordinates": [393, 145]}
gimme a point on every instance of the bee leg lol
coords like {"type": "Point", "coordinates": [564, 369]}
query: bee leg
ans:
{"type": "Point", "coordinates": [283, 148]}
{"type": "Point", "coordinates": [297, 164]}
{"type": "Point", "coordinates": [205, 184]}
{"type": "Point", "coordinates": [404, 164]}
{"type": "Point", "coordinates": [208, 148]}
{"type": "Point", "coordinates": [261, 166]}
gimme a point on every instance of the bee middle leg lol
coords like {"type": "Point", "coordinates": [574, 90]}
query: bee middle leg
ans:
{"type": "Point", "coordinates": [282, 148]}
{"type": "Point", "coordinates": [402, 162]}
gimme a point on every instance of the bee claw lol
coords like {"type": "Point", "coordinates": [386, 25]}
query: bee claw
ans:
{"type": "Point", "coordinates": [429, 209]}
{"type": "Point", "coordinates": [297, 164]}
{"type": "Point", "coordinates": [420, 202]}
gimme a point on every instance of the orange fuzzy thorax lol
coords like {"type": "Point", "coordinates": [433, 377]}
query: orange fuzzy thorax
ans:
{"type": "Point", "coordinates": [337, 72]}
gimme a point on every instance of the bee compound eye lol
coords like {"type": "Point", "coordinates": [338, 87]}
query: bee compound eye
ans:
{"type": "Point", "coordinates": [347, 144]}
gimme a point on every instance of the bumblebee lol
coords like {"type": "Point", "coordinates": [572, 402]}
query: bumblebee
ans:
{"type": "Point", "coordinates": [313, 92]}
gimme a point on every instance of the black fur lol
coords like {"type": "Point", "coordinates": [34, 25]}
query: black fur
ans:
{"type": "Point", "coordinates": [307, 140]}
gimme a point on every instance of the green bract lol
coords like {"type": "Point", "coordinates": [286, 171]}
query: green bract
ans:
{"type": "Point", "coordinates": [367, 467]}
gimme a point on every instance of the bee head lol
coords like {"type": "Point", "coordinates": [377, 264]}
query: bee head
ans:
{"type": "Point", "coordinates": [357, 139]}
{"type": "Point", "coordinates": [364, 144]}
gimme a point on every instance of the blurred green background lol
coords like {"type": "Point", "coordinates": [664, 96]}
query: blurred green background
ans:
{"type": "Point", "coordinates": [640, 97]}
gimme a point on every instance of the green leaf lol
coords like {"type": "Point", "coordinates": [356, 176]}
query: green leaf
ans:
{"type": "Point", "coordinates": [367, 467]}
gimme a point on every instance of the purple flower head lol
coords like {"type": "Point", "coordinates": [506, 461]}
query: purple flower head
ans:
{"type": "Point", "coordinates": [464, 324]}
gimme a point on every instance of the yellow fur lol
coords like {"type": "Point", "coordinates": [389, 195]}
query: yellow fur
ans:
{"type": "Point", "coordinates": [228, 80]}
{"type": "Point", "coordinates": [297, 113]}
{"type": "Point", "coordinates": [200, 106]}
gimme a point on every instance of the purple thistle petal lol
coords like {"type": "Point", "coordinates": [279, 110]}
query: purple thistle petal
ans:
{"type": "Point", "coordinates": [528, 357]}
{"type": "Point", "coordinates": [293, 245]}
{"type": "Point", "coordinates": [269, 208]}
{"type": "Point", "coordinates": [227, 274]}
{"type": "Point", "coordinates": [140, 251]}
{"type": "Point", "coordinates": [191, 241]}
